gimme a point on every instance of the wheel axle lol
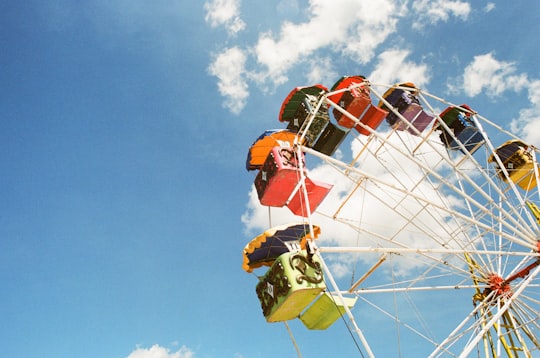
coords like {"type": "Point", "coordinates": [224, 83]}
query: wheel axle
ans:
{"type": "Point", "coordinates": [500, 286]}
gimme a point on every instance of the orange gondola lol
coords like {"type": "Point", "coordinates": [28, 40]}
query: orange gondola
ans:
{"type": "Point", "coordinates": [357, 101]}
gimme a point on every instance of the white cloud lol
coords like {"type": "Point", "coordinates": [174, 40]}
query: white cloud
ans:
{"type": "Point", "coordinates": [377, 213]}
{"type": "Point", "coordinates": [393, 67]}
{"type": "Point", "coordinates": [528, 123]}
{"type": "Point", "coordinates": [431, 12]}
{"type": "Point", "coordinates": [229, 67]}
{"type": "Point", "coordinates": [489, 6]}
{"type": "Point", "coordinates": [376, 21]}
{"type": "Point", "coordinates": [157, 351]}
{"type": "Point", "coordinates": [321, 70]}
{"type": "Point", "coordinates": [487, 74]}
{"type": "Point", "coordinates": [342, 27]}
{"type": "Point", "coordinates": [225, 13]}
{"type": "Point", "coordinates": [331, 25]}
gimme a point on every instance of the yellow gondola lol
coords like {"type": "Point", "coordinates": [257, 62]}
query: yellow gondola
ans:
{"type": "Point", "coordinates": [518, 163]}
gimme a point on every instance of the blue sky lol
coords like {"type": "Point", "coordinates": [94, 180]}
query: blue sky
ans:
{"type": "Point", "coordinates": [124, 128]}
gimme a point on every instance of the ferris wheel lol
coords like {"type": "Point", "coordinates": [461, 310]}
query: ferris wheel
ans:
{"type": "Point", "coordinates": [429, 227]}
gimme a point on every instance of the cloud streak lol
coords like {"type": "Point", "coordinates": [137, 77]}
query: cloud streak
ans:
{"type": "Point", "coordinates": [430, 12]}
{"type": "Point", "coordinates": [393, 66]}
{"type": "Point", "coordinates": [487, 74]}
{"type": "Point", "coordinates": [157, 351]}
{"type": "Point", "coordinates": [225, 13]}
{"type": "Point", "coordinates": [229, 67]}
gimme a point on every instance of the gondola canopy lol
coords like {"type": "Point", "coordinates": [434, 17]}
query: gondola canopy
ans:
{"type": "Point", "coordinates": [296, 97]}
{"type": "Point", "coordinates": [264, 249]}
{"type": "Point", "coordinates": [261, 147]}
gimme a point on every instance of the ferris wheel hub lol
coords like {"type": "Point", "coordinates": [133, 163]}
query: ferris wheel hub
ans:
{"type": "Point", "coordinates": [499, 285]}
